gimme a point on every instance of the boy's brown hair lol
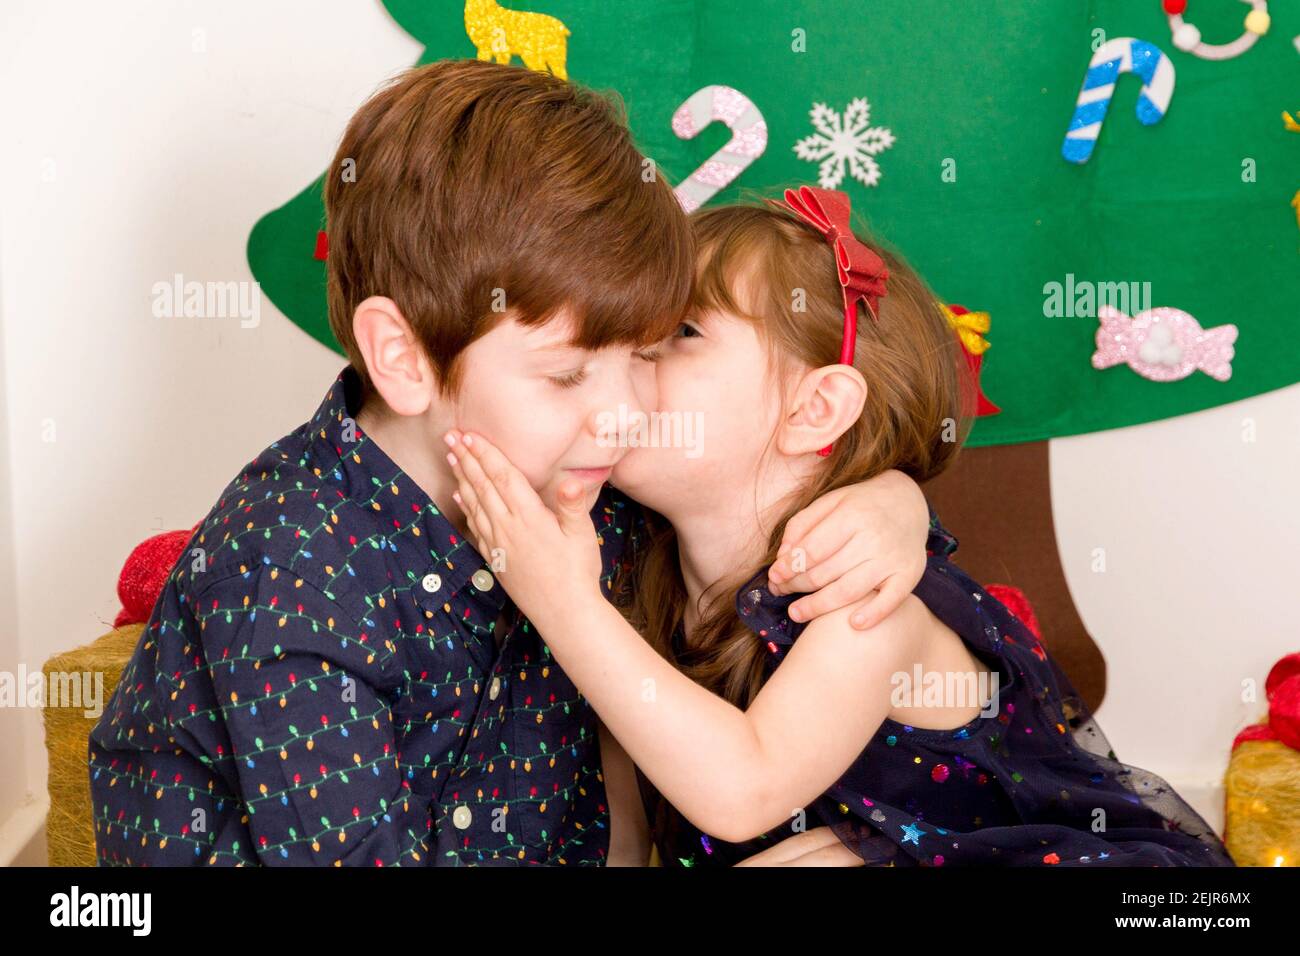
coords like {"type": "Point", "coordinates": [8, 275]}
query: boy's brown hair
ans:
{"type": "Point", "coordinates": [466, 190]}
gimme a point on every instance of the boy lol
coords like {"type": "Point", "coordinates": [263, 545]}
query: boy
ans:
{"type": "Point", "coordinates": [332, 674]}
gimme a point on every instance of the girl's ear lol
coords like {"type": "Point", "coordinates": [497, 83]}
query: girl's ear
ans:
{"type": "Point", "coordinates": [827, 402]}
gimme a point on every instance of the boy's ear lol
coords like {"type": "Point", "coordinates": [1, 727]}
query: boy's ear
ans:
{"type": "Point", "coordinates": [397, 365]}
{"type": "Point", "coordinates": [827, 401]}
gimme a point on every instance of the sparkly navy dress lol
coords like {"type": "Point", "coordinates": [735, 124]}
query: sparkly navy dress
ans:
{"type": "Point", "coordinates": [1035, 785]}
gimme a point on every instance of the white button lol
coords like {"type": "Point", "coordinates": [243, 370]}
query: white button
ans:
{"type": "Point", "coordinates": [495, 690]}
{"type": "Point", "coordinates": [482, 579]}
{"type": "Point", "coordinates": [431, 582]}
{"type": "Point", "coordinates": [461, 817]}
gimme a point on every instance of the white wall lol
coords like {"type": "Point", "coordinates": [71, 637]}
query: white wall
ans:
{"type": "Point", "coordinates": [1197, 519]}
{"type": "Point", "coordinates": [163, 158]}
{"type": "Point", "coordinates": [129, 157]}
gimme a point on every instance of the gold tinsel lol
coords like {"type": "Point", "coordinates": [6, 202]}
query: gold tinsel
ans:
{"type": "Point", "coordinates": [69, 829]}
{"type": "Point", "coordinates": [1262, 810]}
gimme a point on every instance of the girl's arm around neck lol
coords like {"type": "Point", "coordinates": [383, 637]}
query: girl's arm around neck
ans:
{"type": "Point", "coordinates": [733, 773]}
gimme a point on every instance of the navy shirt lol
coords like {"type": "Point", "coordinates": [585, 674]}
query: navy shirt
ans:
{"type": "Point", "coordinates": [323, 681]}
{"type": "Point", "coordinates": [1035, 784]}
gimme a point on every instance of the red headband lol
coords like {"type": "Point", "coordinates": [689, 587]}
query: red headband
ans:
{"type": "Point", "coordinates": [862, 272]}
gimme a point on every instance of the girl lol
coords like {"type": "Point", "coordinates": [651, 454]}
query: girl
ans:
{"type": "Point", "coordinates": [945, 734]}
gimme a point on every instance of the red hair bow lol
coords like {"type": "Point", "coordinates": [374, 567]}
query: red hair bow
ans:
{"type": "Point", "coordinates": [862, 272]}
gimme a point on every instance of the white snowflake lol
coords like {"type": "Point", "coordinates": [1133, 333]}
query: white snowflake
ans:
{"type": "Point", "coordinates": [851, 142]}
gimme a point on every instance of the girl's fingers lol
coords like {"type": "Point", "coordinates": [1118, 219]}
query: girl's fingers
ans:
{"type": "Point", "coordinates": [820, 543]}
{"type": "Point", "coordinates": [476, 525]}
{"type": "Point", "coordinates": [489, 500]}
{"type": "Point", "coordinates": [805, 520]}
{"type": "Point", "coordinates": [471, 519]}
{"type": "Point", "coordinates": [815, 839]}
{"type": "Point", "coordinates": [509, 481]}
{"type": "Point", "coordinates": [836, 855]}
{"type": "Point", "coordinates": [887, 599]}
{"type": "Point", "coordinates": [816, 847]}
{"type": "Point", "coordinates": [816, 575]}
{"type": "Point", "coordinates": [781, 853]}
{"type": "Point", "coordinates": [467, 498]}
{"type": "Point", "coordinates": [841, 592]}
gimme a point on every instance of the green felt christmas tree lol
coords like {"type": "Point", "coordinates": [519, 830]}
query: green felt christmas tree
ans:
{"type": "Point", "coordinates": [946, 123]}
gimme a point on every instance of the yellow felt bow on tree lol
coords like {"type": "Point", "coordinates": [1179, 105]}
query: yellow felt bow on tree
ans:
{"type": "Point", "coordinates": [970, 327]}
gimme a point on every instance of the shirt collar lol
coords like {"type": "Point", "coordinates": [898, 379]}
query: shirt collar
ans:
{"type": "Point", "coordinates": [423, 540]}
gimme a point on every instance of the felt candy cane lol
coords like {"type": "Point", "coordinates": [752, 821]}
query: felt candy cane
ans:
{"type": "Point", "coordinates": [1121, 55]}
{"type": "Point", "coordinates": [748, 141]}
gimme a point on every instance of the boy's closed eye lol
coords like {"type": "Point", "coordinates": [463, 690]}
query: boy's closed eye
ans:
{"type": "Point", "coordinates": [569, 379]}
{"type": "Point", "coordinates": [577, 376]}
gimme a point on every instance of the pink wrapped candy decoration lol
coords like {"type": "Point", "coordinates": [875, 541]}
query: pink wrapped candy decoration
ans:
{"type": "Point", "coordinates": [1163, 344]}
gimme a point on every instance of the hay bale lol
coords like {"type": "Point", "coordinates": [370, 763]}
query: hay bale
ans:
{"type": "Point", "coordinates": [70, 827]}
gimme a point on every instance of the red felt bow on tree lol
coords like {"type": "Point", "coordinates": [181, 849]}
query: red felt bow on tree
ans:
{"type": "Point", "coordinates": [862, 272]}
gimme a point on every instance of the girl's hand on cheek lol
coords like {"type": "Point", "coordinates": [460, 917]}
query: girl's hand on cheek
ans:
{"type": "Point", "coordinates": [539, 557]}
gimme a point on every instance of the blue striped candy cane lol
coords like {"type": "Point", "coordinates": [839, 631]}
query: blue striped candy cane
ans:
{"type": "Point", "coordinates": [1121, 55]}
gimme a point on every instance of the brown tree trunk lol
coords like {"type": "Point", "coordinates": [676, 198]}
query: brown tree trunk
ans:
{"type": "Point", "coordinates": [997, 501]}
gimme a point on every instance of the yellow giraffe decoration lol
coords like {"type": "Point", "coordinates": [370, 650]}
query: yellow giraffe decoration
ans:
{"type": "Point", "coordinates": [496, 32]}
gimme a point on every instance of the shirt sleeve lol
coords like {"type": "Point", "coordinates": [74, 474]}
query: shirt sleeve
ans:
{"type": "Point", "coordinates": [940, 542]}
{"type": "Point", "coordinates": [304, 695]}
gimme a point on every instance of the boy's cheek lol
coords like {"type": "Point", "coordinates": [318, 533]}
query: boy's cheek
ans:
{"type": "Point", "coordinates": [536, 465]}
{"type": "Point", "coordinates": [527, 449]}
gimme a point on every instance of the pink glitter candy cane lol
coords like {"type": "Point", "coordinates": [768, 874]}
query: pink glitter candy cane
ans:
{"type": "Point", "coordinates": [748, 141]}
{"type": "Point", "coordinates": [1163, 345]}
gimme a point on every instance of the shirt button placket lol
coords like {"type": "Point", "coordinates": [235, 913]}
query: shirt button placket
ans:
{"type": "Point", "coordinates": [526, 823]}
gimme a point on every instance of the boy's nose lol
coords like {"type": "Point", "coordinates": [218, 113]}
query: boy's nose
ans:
{"type": "Point", "coordinates": [624, 400]}
{"type": "Point", "coordinates": [645, 383]}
